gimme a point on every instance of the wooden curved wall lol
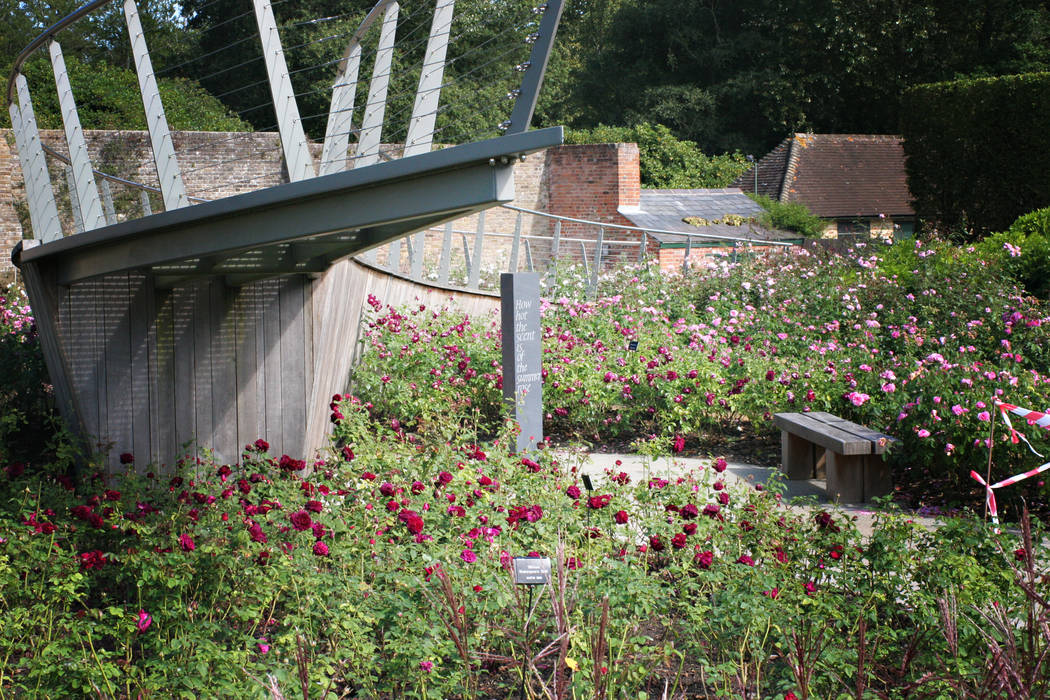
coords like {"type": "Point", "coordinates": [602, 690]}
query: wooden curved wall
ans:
{"type": "Point", "coordinates": [156, 372]}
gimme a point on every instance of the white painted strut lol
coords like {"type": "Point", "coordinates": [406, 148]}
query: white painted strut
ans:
{"type": "Point", "coordinates": [42, 210]}
{"type": "Point", "coordinates": [375, 108]}
{"type": "Point", "coordinates": [87, 199]}
{"type": "Point", "coordinates": [293, 137]}
{"type": "Point", "coordinates": [168, 173]}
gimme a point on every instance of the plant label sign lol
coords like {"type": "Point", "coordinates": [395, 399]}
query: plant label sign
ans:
{"type": "Point", "coordinates": [532, 571]}
{"type": "Point", "coordinates": [522, 354]}
{"type": "Point", "coordinates": [633, 345]}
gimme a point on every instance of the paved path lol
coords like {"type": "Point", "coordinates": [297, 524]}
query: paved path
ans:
{"type": "Point", "coordinates": [808, 491]}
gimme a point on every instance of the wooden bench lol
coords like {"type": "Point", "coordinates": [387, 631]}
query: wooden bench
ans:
{"type": "Point", "coordinates": [852, 454]}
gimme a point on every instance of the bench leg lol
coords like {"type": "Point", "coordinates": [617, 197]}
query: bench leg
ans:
{"type": "Point", "coordinates": [878, 479]}
{"type": "Point", "coordinates": [820, 469]}
{"type": "Point", "coordinates": [846, 477]}
{"type": "Point", "coordinates": [796, 456]}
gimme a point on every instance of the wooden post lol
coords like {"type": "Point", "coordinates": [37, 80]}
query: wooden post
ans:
{"type": "Point", "coordinates": [796, 456]}
{"type": "Point", "coordinates": [845, 482]}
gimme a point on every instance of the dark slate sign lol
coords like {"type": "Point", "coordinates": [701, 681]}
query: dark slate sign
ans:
{"type": "Point", "coordinates": [522, 354]}
{"type": "Point", "coordinates": [532, 571]}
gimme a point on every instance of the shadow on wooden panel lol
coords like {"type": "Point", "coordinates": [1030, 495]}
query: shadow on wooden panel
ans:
{"type": "Point", "coordinates": [162, 372]}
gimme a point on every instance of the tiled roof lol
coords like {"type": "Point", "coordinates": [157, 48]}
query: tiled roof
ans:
{"type": "Point", "coordinates": [667, 209]}
{"type": "Point", "coordinates": [838, 175]}
{"type": "Point", "coordinates": [770, 172]}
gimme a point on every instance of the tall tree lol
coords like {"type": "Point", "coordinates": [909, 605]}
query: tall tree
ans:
{"type": "Point", "coordinates": [742, 74]}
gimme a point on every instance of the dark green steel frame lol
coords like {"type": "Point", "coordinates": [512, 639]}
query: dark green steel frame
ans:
{"type": "Point", "coordinates": [316, 221]}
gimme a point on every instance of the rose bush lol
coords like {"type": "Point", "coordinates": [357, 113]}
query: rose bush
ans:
{"type": "Point", "coordinates": [915, 340]}
{"type": "Point", "coordinates": [384, 572]}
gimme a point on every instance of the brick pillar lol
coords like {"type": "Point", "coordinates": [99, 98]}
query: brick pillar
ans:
{"type": "Point", "coordinates": [592, 181]}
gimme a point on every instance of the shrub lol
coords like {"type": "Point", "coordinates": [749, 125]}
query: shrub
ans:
{"type": "Point", "coordinates": [385, 573]}
{"type": "Point", "coordinates": [1023, 252]}
{"type": "Point", "coordinates": [789, 216]}
{"type": "Point", "coordinates": [928, 332]}
{"type": "Point", "coordinates": [666, 161]}
{"type": "Point", "coordinates": [974, 157]}
{"type": "Point", "coordinates": [108, 98]}
{"type": "Point", "coordinates": [26, 402]}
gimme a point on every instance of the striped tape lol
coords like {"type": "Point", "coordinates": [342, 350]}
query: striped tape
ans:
{"type": "Point", "coordinates": [1037, 418]}
{"type": "Point", "coordinates": [989, 490]}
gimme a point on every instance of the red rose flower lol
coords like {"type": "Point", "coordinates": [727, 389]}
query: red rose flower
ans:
{"type": "Point", "coordinates": [301, 520]}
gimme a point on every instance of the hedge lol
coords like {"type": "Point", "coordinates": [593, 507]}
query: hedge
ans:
{"type": "Point", "coordinates": [977, 152]}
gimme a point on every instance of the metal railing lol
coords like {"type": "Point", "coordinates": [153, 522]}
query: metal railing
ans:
{"type": "Point", "coordinates": [470, 253]}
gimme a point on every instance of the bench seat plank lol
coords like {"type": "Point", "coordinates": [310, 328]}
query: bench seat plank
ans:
{"type": "Point", "coordinates": [819, 432]}
{"type": "Point", "coordinates": [880, 441]}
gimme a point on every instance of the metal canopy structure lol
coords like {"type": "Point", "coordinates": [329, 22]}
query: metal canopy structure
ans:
{"type": "Point", "coordinates": [300, 227]}
{"type": "Point", "coordinates": [224, 316]}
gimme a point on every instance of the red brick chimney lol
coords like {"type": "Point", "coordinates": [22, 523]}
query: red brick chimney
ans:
{"type": "Point", "coordinates": [592, 182]}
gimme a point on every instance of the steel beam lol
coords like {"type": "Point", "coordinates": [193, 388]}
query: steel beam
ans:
{"type": "Point", "coordinates": [384, 202]}
{"type": "Point", "coordinates": [43, 213]}
{"type": "Point", "coordinates": [293, 138]}
{"type": "Point", "coordinates": [521, 116]}
{"type": "Point", "coordinates": [168, 173]}
{"type": "Point", "coordinates": [88, 203]}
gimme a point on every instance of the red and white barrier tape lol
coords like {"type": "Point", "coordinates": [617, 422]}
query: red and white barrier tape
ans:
{"type": "Point", "coordinates": [1033, 417]}
{"type": "Point", "coordinates": [989, 490]}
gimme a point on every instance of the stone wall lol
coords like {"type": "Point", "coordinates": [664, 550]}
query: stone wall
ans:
{"type": "Point", "coordinates": [586, 181]}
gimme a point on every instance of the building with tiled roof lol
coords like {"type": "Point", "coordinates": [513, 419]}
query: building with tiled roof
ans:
{"type": "Point", "coordinates": [856, 182]}
{"type": "Point", "coordinates": [727, 213]}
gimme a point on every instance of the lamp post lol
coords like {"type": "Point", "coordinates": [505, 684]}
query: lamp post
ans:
{"type": "Point", "coordinates": [754, 167]}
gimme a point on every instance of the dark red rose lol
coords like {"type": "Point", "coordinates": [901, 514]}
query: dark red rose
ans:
{"type": "Point", "coordinates": [301, 520]}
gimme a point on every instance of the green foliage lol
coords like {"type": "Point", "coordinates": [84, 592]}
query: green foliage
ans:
{"type": "Point", "coordinates": [910, 339]}
{"type": "Point", "coordinates": [789, 216]}
{"type": "Point", "coordinates": [974, 159]}
{"type": "Point", "coordinates": [26, 402]}
{"type": "Point", "coordinates": [384, 572]}
{"type": "Point", "coordinates": [741, 75]}
{"type": "Point", "coordinates": [101, 37]}
{"type": "Point", "coordinates": [108, 98]}
{"type": "Point", "coordinates": [387, 573]}
{"type": "Point", "coordinates": [728, 76]}
{"type": "Point", "coordinates": [1023, 252]}
{"type": "Point", "coordinates": [667, 161]}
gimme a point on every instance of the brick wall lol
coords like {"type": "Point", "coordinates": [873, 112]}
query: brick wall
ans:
{"type": "Point", "coordinates": [586, 181]}
{"type": "Point", "coordinates": [12, 194]}
{"type": "Point", "coordinates": [592, 182]}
